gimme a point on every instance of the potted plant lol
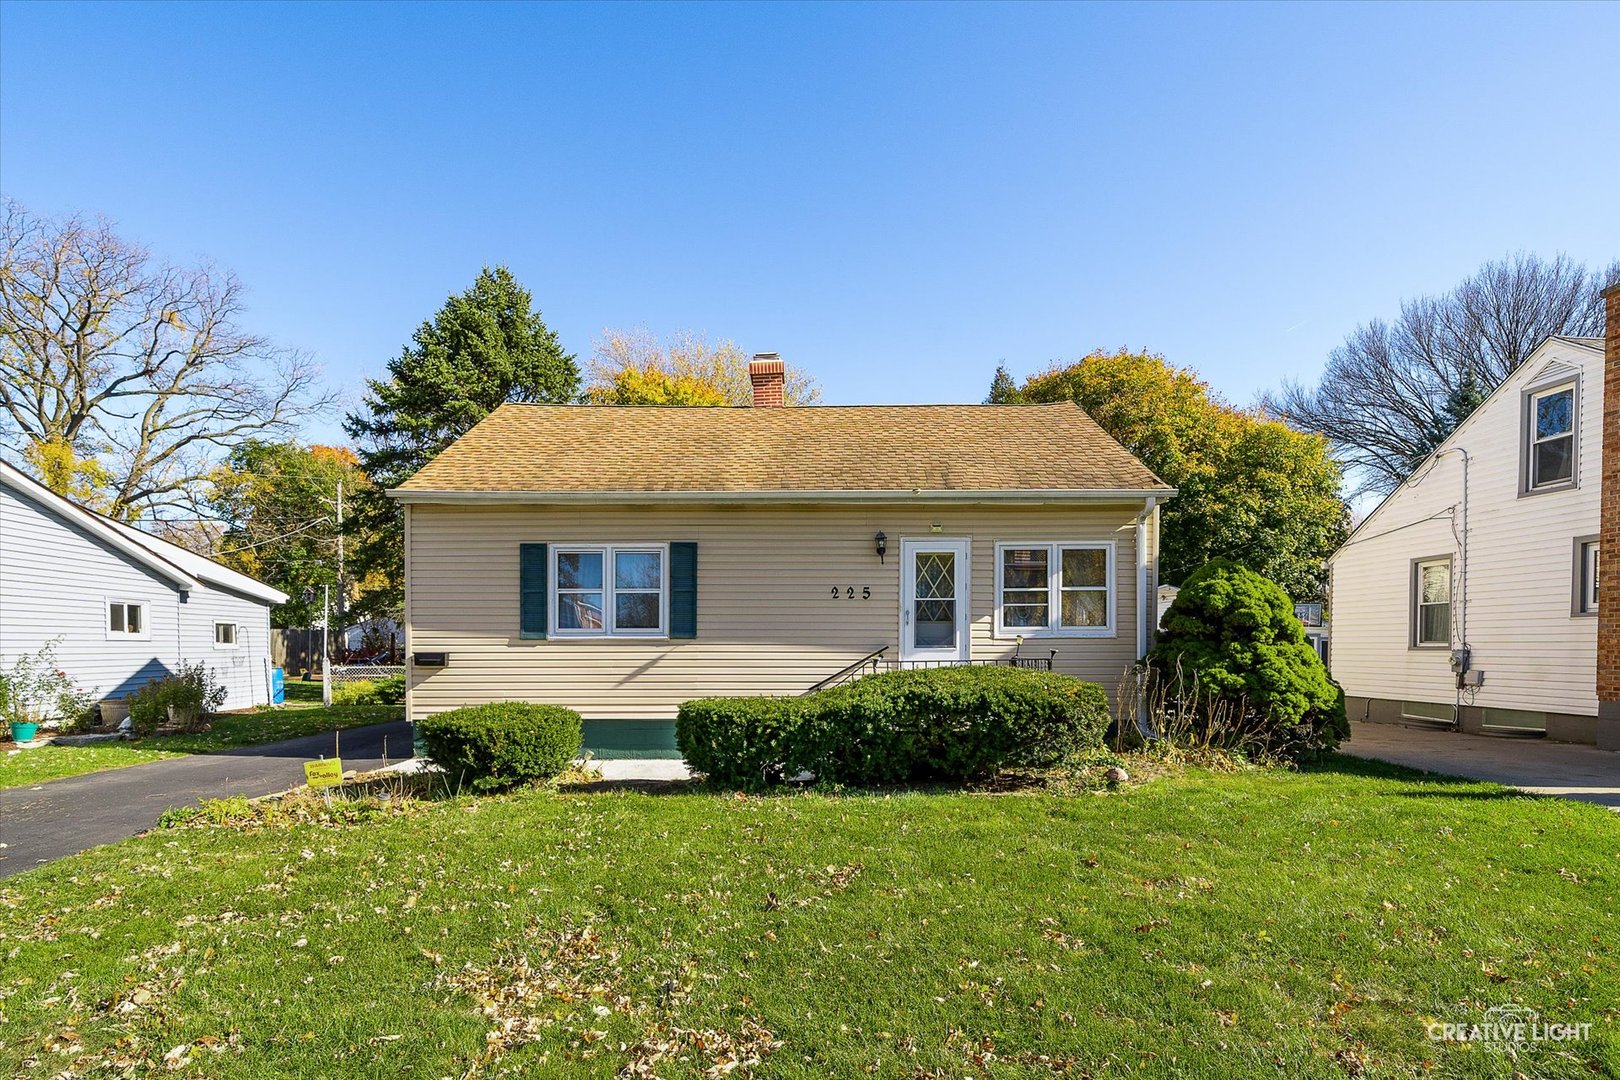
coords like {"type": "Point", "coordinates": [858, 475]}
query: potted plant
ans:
{"type": "Point", "coordinates": [180, 700]}
{"type": "Point", "coordinates": [114, 711]}
{"type": "Point", "coordinates": [35, 690]}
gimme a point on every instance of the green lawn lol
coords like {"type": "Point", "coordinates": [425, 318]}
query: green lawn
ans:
{"type": "Point", "coordinates": [1262, 923]}
{"type": "Point", "coordinates": [22, 768]}
{"type": "Point", "coordinates": [299, 717]}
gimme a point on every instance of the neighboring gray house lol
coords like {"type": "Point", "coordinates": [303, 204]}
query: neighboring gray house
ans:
{"type": "Point", "coordinates": [126, 606]}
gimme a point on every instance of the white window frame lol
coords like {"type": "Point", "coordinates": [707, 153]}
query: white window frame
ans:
{"type": "Point", "coordinates": [143, 634]}
{"type": "Point", "coordinates": [236, 635]}
{"type": "Point", "coordinates": [1417, 640]}
{"type": "Point", "coordinates": [1055, 589]}
{"type": "Point", "coordinates": [1587, 553]}
{"type": "Point", "coordinates": [607, 551]}
{"type": "Point", "coordinates": [1529, 484]}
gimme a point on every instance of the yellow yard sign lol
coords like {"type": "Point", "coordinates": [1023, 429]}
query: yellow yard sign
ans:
{"type": "Point", "coordinates": [327, 772]}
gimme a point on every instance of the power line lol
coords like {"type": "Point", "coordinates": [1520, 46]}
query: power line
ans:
{"type": "Point", "coordinates": [273, 539]}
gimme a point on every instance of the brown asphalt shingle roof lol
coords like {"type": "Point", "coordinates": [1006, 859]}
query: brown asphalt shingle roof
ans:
{"type": "Point", "coordinates": [616, 448]}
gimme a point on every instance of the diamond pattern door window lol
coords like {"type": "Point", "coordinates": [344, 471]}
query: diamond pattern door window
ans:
{"type": "Point", "coordinates": [934, 615]}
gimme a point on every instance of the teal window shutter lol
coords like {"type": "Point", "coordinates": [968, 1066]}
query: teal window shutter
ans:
{"type": "Point", "coordinates": [683, 590]}
{"type": "Point", "coordinates": [532, 618]}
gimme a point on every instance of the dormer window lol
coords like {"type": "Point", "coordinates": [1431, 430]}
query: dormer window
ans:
{"type": "Point", "coordinates": [1549, 445]}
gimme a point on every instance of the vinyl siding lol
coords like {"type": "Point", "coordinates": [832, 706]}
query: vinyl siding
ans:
{"type": "Point", "coordinates": [244, 670]}
{"type": "Point", "coordinates": [1534, 654]}
{"type": "Point", "coordinates": [55, 582]}
{"type": "Point", "coordinates": [766, 620]}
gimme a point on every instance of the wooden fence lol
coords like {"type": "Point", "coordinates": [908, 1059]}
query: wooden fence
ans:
{"type": "Point", "coordinates": [296, 650]}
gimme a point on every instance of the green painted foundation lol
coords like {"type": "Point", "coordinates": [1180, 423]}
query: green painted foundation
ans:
{"type": "Point", "coordinates": [631, 739]}
{"type": "Point", "coordinates": [614, 739]}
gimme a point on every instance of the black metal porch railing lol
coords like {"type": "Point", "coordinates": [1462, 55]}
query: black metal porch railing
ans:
{"type": "Point", "coordinates": [866, 665]}
{"type": "Point", "coordinates": [874, 662]}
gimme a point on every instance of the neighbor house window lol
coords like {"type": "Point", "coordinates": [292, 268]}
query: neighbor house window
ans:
{"type": "Point", "coordinates": [1513, 719]}
{"type": "Point", "coordinates": [1424, 710]}
{"type": "Point", "coordinates": [610, 590]}
{"type": "Point", "coordinates": [1549, 454]}
{"type": "Point", "coordinates": [1586, 576]}
{"type": "Point", "coordinates": [1054, 589]}
{"type": "Point", "coordinates": [126, 618]}
{"type": "Point", "coordinates": [224, 635]}
{"type": "Point", "coordinates": [1431, 601]}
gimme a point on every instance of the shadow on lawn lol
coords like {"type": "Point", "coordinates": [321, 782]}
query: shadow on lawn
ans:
{"type": "Point", "coordinates": [1436, 785]}
{"type": "Point", "coordinates": [639, 787]}
{"type": "Point", "coordinates": [364, 738]}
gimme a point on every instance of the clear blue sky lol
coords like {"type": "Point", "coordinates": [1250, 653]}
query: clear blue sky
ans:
{"type": "Point", "coordinates": [894, 197]}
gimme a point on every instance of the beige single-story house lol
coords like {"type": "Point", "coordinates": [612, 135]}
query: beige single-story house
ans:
{"type": "Point", "coordinates": [619, 560]}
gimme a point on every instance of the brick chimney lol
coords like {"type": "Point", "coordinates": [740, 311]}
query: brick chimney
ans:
{"type": "Point", "coordinates": [1608, 651]}
{"type": "Point", "coordinates": [768, 376]}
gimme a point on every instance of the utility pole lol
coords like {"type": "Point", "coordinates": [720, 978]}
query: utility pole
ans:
{"type": "Point", "coordinates": [326, 645]}
{"type": "Point", "coordinates": [343, 590]}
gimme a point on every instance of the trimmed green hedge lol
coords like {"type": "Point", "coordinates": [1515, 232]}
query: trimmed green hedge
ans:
{"type": "Point", "coordinates": [494, 746]}
{"type": "Point", "coordinates": [950, 723]}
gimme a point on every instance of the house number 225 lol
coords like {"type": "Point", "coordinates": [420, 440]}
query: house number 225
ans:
{"type": "Point", "coordinates": [848, 592]}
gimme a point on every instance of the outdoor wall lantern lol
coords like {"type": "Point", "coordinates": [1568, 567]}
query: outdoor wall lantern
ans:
{"type": "Point", "coordinates": [882, 543]}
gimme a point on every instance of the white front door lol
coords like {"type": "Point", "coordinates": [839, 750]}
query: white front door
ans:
{"type": "Point", "coordinates": [934, 600]}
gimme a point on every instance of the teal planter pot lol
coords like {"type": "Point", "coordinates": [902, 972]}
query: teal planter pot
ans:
{"type": "Point", "coordinates": [24, 732]}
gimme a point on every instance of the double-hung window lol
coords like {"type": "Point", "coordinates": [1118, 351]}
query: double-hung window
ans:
{"type": "Point", "coordinates": [606, 590]}
{"type": "Point", "coordinates": [1431, 602]}
{"type": "Point", "coordinates": [1586, 576]}
{"type": "Point", "coordinates": [1549, 451]}
{"type": "Point", "coordinates": [126, 618]}
{"type": "Point", "coordinates": [1054, 589]}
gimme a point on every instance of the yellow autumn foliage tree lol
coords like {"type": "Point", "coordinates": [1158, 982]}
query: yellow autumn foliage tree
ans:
{"type": "Point", "coordinates": [82, 479]}
{"type": "Point", "coordinates": [1250, 488]}
{"type": "Point", "coordinates": [633, 367]}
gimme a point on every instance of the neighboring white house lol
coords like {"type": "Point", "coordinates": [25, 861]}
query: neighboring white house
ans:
{"type": "Point", "coordinates": [1469, 596]}
{"type": "Point", "coordinates": [126, 606]}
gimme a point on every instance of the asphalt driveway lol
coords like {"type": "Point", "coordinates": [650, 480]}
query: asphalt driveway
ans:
{"type": "Point", "coordinates": [48, 821]}
{"type": "Point", "coordinates": [1535, 765]}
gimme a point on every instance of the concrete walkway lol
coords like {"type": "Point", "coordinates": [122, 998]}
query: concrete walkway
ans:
{"type": "Point", "coordinates": [50, 820]}
{"type": "Point", "coordinates": [1535, 765]}
{"type": "Point", "coordinates": [639, 769]}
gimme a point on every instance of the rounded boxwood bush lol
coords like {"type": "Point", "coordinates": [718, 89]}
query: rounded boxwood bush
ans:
{"type": "Point", "coordinates": [949, 723]}
{"type": "Point", "coordinates": [738, 741]}
{"type": "Point", "coordinates": [494, 746]}
{"type": "Point", "coordinates": [1233, 661]}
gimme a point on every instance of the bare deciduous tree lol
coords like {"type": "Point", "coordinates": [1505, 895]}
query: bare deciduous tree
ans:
{"type": "Point", "coordinates": [723, 365]}
{"type": "Point", "coordinates": [107, 354]}
{"type": "Point", "coordinates": [1393, 391]}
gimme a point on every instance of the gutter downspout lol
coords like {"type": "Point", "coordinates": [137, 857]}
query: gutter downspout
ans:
{"type": "Point", "coordinates": [1460, 534]}
{"type": "Point", "coordinates": [1147, 602]}
{"type": "Point", "coordinates": [1462, 594]}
